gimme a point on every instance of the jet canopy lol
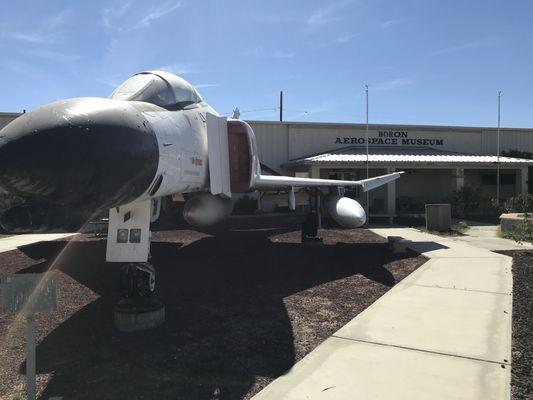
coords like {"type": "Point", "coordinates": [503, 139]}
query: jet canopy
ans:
{"type": "Point", "coordinates": [158, 87]}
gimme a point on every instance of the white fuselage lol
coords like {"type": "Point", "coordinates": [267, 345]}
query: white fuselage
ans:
{"type": "Point", "coordinates": [183, 152]}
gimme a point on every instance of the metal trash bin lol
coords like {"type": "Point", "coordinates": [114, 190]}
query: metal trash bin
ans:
{"type": "Point", "coordinates": [438, 217]}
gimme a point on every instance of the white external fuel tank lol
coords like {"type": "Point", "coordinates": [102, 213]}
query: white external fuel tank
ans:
{"type": "Point", "coordinates": [345, 211]}
{"type": "Point", "coordinates": [205, 209]}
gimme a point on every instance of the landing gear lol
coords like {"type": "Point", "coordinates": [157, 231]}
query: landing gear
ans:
{"type": "Point", "coordinates": [139, 309]}
{"type": "Point", "coordinates": [137, 281]}
{"type": "Point", "coordinates": [128, 239]}
{"type": "Point", "coordinates": [312, 223]}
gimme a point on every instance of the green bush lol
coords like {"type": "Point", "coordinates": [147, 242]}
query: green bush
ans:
{"type": "Point", "coordinates": [523, 231]}
{"type": "Point", "coordinates": [519, 204]}
{"type": "Point", "coordinates": [466, 201]}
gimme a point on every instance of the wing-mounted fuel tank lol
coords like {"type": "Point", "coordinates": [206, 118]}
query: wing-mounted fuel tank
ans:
{"type": "Point", "coordinates": [205, 209]}
{"type": "Point", "coordinates": [233, 160]}
{"type": "Point", "coordinates": [345, 211]}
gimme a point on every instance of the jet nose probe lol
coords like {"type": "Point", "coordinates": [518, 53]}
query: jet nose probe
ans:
{"type": "Point", "coordinates": [85, 153]}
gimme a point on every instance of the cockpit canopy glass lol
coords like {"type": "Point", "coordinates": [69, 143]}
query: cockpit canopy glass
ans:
{"type": "Point", "coordinates": [173, 92]}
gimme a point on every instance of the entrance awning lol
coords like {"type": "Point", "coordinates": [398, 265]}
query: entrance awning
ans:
{"type": "Point", "coordinates": [410, 156]}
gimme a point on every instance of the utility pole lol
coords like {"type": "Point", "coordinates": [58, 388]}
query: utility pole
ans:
{"type": "Point", "coordinates": [498, 152]}
{"type": "Point", "coordinates": [367, 158]}
{"type": "Point", "coordinates": [280, 105]}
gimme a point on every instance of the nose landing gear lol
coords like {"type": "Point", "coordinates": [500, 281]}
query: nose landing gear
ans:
{"type": "Point", "coordinates": [139, 308]}
{"type": "Point", "coordinates": [137, 280]}
{"type": "Point", "coordinates": [128, 243]}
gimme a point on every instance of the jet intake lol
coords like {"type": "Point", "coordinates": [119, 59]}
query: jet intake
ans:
{"type": "Point", "coordinates": [206, 209]}
{"type": "Point", "coordinates": [35, 217]}
{"type": "Point", "coordinates": [345, 211]}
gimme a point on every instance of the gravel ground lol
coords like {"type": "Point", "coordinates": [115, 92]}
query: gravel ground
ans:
{"type": "Point", "coordinates": [522, 371]}
{"type": "Point", "coordinates": [242, 308]}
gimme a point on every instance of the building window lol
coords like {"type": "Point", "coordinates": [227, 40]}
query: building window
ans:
{"type": "Point", "coordinates": [505, 179]}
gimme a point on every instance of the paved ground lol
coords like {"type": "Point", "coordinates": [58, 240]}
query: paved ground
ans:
{"type": "Point", "coordinates": [12, 242]}
{"type": "Point", "coordinates": [487, 236]}
{"type": "Point", "coordinates": [243, 306]}
{"type": "Point", "coordinates": [444, 332]}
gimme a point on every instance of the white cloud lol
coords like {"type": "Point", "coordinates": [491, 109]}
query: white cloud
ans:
{"type": "Point", "coordinates": [272, 17]}
{"type": "Point", "coordinates": [157, 13]}
{"type": "Point", "coordinates": [327, 14]}
{"type": "Point", "coordinates": [346, 38]}
{"type": "Point", "coordinates": [393, 84]}
{"type": "Point", "coordinates": [486, 42]}
{"type": "Point", "coordinates": [46, 32]}
{"type": "Point", "coordinates": [111, 14]}
{"type": "Point", "coordinates": [26, 37]}
{"type": "Point", "coordinates": [260, 52]}
{"type": "Point", "coordinates": [53, 55]}
{"type": "Point", "coordinates": [180, 68]}
{"type": "Point", "coordinates": [389, 23]}
{"type": "Point", "coordinates": [59, 19]}
{"type": "Point", "coordinates": [116, 18]}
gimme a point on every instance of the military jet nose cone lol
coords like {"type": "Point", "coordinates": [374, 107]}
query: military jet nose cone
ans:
{"type": "Point", "coordinates": [83, 152]}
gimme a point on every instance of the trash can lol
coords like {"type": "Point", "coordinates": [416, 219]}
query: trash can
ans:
{"type": "Point", "coordinates": [438, 217]}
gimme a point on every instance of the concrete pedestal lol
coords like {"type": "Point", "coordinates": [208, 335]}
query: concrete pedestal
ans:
{"type": "Point", "coordinates": [138, 315]}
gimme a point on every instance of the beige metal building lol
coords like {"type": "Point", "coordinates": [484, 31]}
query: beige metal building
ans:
{"type": "Point", "coordinates": [438, 160]}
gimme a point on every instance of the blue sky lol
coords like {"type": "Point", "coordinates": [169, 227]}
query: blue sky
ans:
{"type": "Point", "coordinates": [425, 61]}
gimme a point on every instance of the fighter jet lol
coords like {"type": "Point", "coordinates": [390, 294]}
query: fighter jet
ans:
{"type": "Point", "coordinates": [153, 137]}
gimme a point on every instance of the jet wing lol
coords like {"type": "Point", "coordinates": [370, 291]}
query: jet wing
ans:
{"type": "Point", "coordinates": [272, 182]}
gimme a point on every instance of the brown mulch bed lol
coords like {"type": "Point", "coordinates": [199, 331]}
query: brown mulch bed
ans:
{"type": "Point", "coordinates": [242, 307]}
{"type": "Point", "coordinates": [522, 371]}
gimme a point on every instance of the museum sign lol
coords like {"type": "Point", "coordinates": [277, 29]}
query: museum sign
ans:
{"type": "Point", "coordinates": [391, 138]}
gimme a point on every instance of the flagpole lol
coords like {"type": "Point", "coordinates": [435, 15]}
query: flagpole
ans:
{"type": "Point", "coordinates": [367, 158]}
{"type": "Point", "coordinates": [498, 152]}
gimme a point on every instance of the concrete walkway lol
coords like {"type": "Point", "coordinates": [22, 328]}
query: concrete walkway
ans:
{"type": "Point", "coordinates": [444, 332]}
{"type": "Point", "coordinates": [12, 242]}
{"type": "Point", "coordinates": [487, 237]}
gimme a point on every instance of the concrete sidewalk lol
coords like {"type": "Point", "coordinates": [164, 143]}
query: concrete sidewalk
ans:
{"type": "Point", "coordinates": [13, 242]}
{"type": "Point", "coordinates": [444, 332]}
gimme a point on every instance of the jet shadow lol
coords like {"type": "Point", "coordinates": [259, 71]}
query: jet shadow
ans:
{"type": "Point", "coordinates": [226, 322]}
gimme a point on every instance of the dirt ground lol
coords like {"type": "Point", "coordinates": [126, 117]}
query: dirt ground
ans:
{"type": "Point", "coordinates": [522, 371]}
{"type": "Point", "coordinates": [242, 307]}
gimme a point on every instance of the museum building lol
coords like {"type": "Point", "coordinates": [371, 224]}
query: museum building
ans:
{"type": "Point", "coordinates": [438, 160]}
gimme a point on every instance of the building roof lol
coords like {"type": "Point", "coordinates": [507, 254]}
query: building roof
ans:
{"type": "Point", "coordinates": [404, 155]}
{"type": "Point", "coordinates": [394, 127]}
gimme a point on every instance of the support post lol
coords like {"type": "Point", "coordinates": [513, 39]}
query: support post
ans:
{"type": "Point", "coordinates": [315, 171]}
{"type": "Point", "coordinates": [30, 357]}
{"type": "Point", "coordinates": [498, 151]}
{"type": "Point", "coordinates": [524, 178]}
{"type": "Point", "coordinates": [281, 106]}
{"type": "Point", "coordinates": [391, 197]}
{"type": "Point", "coordinates": [459, 179]}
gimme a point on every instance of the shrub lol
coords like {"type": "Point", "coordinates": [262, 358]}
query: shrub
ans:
{"type": "Point", "coordinates": [519, 204]}
{"type": "Point", "coordinates": [466, 201]}
{"type": "Point", "coordinates": [523, 231]}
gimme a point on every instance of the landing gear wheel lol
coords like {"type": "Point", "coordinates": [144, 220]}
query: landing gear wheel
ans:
{"type": "Point", "coordinates": [311, 225]}
{"type": "Point", "coordinates": [139, 308]}
{"type": "Point", "coordinates": [137, 280]}
{"type": "Point", "coordinates": [310, 229]}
